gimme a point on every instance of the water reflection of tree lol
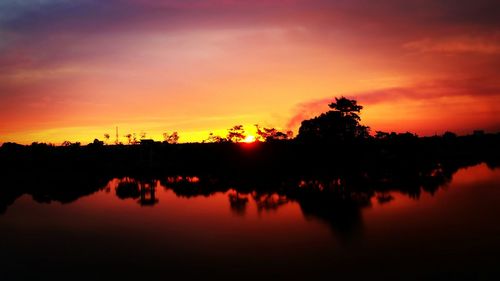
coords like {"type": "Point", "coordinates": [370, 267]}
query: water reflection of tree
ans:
{"type": "Point", "coordinates": [144, 191]}
{"type": "Point", "coordinates": [269, 201]}
{"type": "Point", "coordinates": [384, 198]}
{"type": "Point", "coordinates": [238, 202]}
{"type": "Point", "coordinates": [336, 196]}
{"type": "Point", "coordinates": [343, 216]}
{"type": "Point", "coordinates": [127, 188]}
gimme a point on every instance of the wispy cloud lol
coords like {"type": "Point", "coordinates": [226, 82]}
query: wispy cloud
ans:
{"type": "Point", "coordinates": [481, 89]}
{"type": "Point", "coordinates": [489, 45]}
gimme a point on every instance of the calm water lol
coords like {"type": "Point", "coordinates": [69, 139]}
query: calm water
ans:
{"type": "Point", "coordinates": [120, 232]}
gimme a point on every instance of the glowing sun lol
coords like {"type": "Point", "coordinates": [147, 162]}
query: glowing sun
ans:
{"type": "Point", "coordinates": [249, 139]}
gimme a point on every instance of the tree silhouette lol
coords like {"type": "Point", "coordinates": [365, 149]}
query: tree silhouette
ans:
{"type": "Point", "coordinates": [106, 137]}
{"type": "Point", "coordinates": [236, 133]}
{"type": "Point", "coordinates": [449, 135]}
{"type": "Point", "coordinates": [134, 139]}
{"type": "Point", "coordinates": [339, 124]}
{"type": "Point", "coordinates": [381, 135]}
{"type": "Point", "coordinates": [215, 139]}
{"type": "Point", "coordinates": [129, 138]}
{"type": "Point", "coordinates": [272, 134]}
{"type": "Point", "coordinates": [172, 138]}
{"type": "Point", "coordinates": [71, 144]}
{"type": "Point", "coordinates": [346, 107]}
{"type": "Point", "coordinates": [95, 143]}
{"type": "Point", "coordinates": [363, 132]}
{"type": "Point", "coordinates": [66, 143]}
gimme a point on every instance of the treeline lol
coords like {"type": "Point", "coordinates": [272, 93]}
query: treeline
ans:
{"type": "Point", "coordinates": [341, 124]}
{"type": "Point", "coordinates": [325, 179]}
{"type": "Point", "coordinates": [334, 139]}
{"type": "Point", "coordinates": [287, 156]}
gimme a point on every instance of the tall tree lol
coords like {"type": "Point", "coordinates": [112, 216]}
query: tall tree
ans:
{"type": "Point", "coordinates": [346, 107]}
{"type": "Point", "coordinates": [339, 124]}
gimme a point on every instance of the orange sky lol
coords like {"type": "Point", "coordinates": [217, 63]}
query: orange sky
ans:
{"type": "Point", "coordinates": [73, 70]}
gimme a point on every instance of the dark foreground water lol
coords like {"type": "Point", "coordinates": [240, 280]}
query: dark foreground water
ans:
{"type": "Point", "coordinates": [125, 233]}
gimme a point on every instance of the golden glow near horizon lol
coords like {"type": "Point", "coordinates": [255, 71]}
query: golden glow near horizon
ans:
{"type": "Point", "coordinates": [210, 66]}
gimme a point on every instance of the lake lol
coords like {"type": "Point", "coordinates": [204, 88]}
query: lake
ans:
{"type": "Point", "coordinates": [130, 229]}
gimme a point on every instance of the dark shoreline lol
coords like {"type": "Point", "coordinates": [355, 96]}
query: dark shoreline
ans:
{"type": "Point", "coordinates": [326, 172]}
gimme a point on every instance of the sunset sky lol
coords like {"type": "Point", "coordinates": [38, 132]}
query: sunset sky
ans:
{"type": "Point", "coordinates": [75, 69]}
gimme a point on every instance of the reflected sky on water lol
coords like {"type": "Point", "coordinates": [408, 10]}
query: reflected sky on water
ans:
{"type": "Point", "coordinates": [172, 227]}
